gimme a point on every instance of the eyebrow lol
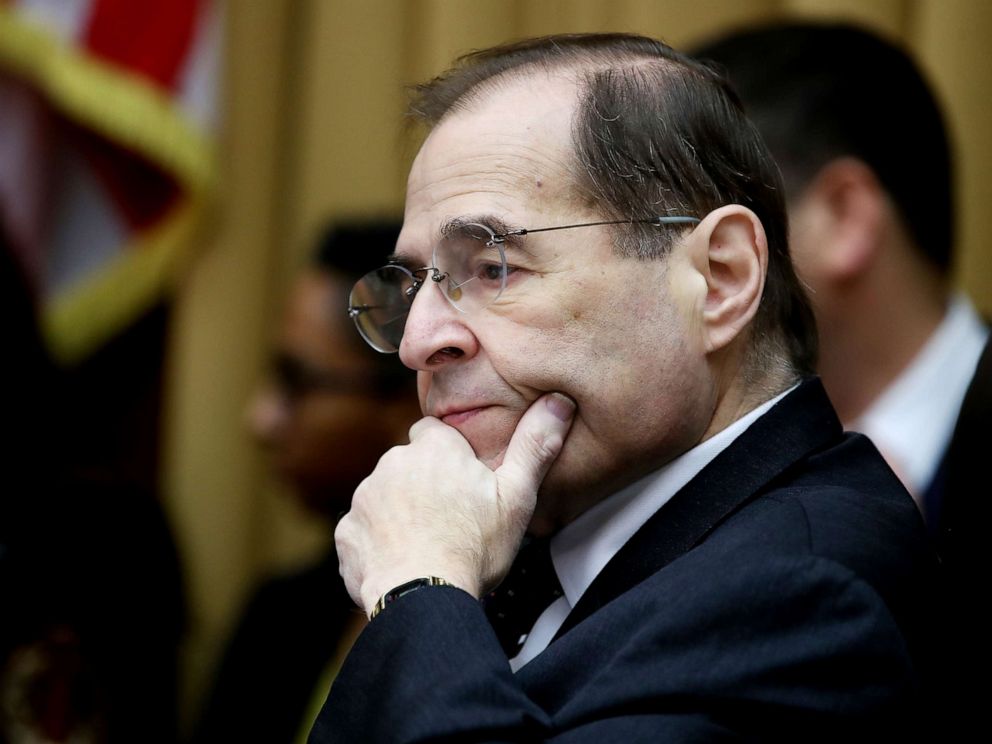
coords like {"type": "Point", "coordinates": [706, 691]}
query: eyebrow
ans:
{"type": "Point", "coordinates": [454, 225]}
{"type": "Point", "coordinates": [399, 259]}
{"type": "Point", "coordinates": [497, 224]}
{"type": "Point", "coordinates": [458, 224]}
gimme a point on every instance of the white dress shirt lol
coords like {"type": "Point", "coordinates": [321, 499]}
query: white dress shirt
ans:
{"type": "Point", "coordinates": [583, 548]}
{"type": "Point", "coordinates": [913, 419]}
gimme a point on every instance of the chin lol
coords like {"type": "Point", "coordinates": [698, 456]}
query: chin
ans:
{"type": "Point", "coordinates": [576, 481]}
{"type": "Point", "coordinates": [489, 435]}
{"type": "Point", "coordinates": [491, 454]}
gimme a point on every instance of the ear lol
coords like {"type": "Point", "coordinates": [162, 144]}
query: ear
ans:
{"type": "Point", "coordinates": [841, 216]}
{"type": "Point", "coordinates": [731, 254]}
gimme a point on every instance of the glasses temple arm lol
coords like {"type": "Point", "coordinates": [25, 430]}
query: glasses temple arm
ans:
{"type": "Point", "coordinates": [673, 220]}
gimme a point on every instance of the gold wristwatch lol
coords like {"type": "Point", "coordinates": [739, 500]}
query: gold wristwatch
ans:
{"type": "Point", "coordinates": [411, 586]}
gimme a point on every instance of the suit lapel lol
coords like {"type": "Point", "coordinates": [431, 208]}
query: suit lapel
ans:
{"type": "Point", "coordinates": [963, 465]}
{"type": "Point", "coordinates": [797, 426]}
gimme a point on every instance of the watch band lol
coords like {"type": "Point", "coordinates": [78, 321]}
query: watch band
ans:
{"type": "Point", "coordinates": [411, 586]}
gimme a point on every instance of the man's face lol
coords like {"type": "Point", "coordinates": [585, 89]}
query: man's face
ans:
{"type": "Point", "coordinates": [615, 334]}
{"type": "Point", "coordinates": [319, 415]}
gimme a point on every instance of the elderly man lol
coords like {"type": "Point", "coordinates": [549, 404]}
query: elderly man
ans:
{"type": "Point", "coordinates": [594, 285]}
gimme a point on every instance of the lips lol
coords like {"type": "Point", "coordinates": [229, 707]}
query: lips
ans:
{"type": "Point", "coordinates": [461, 414]}
{"type": "Point", "coordinates": [486, 426]}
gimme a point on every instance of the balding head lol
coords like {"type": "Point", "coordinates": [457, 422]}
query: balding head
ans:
{"type": "Point", "coordinates": [654, 133]}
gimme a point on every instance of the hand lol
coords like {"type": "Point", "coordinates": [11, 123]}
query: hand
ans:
{"type": "Point", "coordinates": [431, 508]}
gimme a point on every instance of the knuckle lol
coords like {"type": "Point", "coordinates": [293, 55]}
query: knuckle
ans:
{"type": "Point", "coordinates": [341, 530]}
{"type": "Point", "coordinates": [391, 455]}
{"type": "Point", "coordinates": [540, 446]}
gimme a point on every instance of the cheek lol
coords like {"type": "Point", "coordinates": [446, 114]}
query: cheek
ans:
{"type": "Point", "coordinates": [629, 367]}
{"type": "Point", "coordinates": [587, 343]}
{"type": "Point", "coordinates": [809, 234]}
{"type": "Point", "coordinates": [423, 387]}
{"type": "Point", "coordinates": [538, 361]}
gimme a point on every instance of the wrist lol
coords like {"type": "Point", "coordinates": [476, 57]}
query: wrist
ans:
{"type": "Point", "coordinates": [373, 590]}
{"type": "Point", "coordinates": [403, 589]}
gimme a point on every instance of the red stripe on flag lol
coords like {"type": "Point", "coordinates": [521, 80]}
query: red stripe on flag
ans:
{"type": "Point", "coordinates": [140, 191]}
{"type": "Point", "coordinates": [150, 37]}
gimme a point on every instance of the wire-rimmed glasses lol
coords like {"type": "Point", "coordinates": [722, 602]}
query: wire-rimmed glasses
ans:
{"type": "Point", "coordinates": [468, 264]}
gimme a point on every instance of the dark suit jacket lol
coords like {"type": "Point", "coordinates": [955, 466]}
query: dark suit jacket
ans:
{"type": "Point", "coordinates": [953, 494]}
{"type": "Point", "coordinates": [948, 502]}
{"type": "Point", "coordinates": [962, 542]}
{"type": "Point", "coordinates": [781, 595]}
{"type": "Point", "coordinates": [288, 633]}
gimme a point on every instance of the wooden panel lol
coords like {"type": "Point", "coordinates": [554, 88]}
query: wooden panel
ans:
{"type": "Point", "coordinates": [887, 17]}
{"type": "Point", "coordinates": [951, 37]}
{"type": "Point", "coordinates": [221, 314]}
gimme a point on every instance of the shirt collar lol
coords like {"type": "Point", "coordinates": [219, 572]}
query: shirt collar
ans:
{"type": "Point", "coordinates": [911, 422]}
{"type": "Point", "coordinates": [583, 547]}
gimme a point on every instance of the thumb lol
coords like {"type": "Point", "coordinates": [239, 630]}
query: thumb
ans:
{"type": "Point", "coordinates": [535, 445]}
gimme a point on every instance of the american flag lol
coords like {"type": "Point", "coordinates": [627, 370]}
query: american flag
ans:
{"type": "Point", "coordinates": [107, 119]}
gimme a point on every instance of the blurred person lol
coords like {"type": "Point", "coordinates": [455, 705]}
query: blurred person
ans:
{"type": "Point", "coordinates": [867, 164]}
{"type": "Point", "coordinates": [629, 512]}
{"type": "Point", "coordinates": [92, 607]}
{"type": "Point", "coordinates": [330, 408]}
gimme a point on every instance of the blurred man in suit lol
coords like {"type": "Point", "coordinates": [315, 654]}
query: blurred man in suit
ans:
{"type": "Point", "coordinates": [330, 407]}
{"type": "Point", "coordinates": [868, 175]}
{"type": "Point", "coordinates": [867, 167]}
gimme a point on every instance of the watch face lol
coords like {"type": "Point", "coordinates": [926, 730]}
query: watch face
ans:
{"type": "Point", "coordinates": [411, 586]}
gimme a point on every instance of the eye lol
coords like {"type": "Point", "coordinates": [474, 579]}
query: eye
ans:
{"type": "Point", "coordinates": [490, 272]}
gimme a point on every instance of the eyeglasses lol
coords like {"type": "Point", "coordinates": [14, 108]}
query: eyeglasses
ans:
{"type": "Point", "coordinates": [469, 264]}
{"type": "Point", "coordinates": [294, 379]}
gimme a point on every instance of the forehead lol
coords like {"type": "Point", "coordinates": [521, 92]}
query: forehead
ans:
{"type": "Point", "coordinates": [508, 155]}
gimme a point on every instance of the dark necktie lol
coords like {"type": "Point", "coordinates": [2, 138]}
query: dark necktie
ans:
{"type": "Point", "coordinates": [528, 589]}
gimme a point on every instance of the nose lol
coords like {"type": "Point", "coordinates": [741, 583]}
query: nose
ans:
{"type": "Point", "coordinates": [436, 333]}
{"type": "Point", "coordinates": [266, 416]}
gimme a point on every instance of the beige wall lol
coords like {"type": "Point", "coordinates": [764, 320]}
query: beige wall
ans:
{"type": "Point", "coordinates": [313, 108]}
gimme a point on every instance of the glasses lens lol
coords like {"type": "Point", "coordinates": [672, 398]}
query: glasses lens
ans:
{"type": "Point", "coordinates": [379, 304]}
{"type": "Point", "coordinates": [474, 266]}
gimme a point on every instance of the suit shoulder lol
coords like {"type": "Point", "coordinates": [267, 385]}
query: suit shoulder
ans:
{"type": "Point", "coordinates": [867, 527]}
{"type": "Point", "coordinates": [878, 543]}
{"type": "Point", "coordinates": [843, 504]}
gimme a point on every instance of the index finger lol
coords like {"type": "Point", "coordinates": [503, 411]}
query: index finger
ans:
{"type": "Point", "coordinates": [425, 424]}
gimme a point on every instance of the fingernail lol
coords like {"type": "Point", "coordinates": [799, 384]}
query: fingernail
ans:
{"type": "Point", "coordinates": [561, 406]}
